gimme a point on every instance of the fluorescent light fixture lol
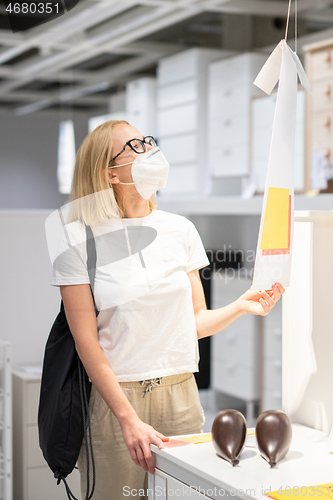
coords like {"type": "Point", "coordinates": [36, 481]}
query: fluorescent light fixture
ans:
{"type": "Point", "coordinates": [91, 89]}
{"type": "Point", "coordinates": [32, 108]}
{"type": "Point", "coordinates": [66, 156]}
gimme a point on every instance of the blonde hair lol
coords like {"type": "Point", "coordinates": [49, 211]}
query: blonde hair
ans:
{"type": "Point", "coordinates": [91, 199]}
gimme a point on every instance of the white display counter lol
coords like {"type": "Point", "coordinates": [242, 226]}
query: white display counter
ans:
{"type": "Point", "coordinates": [307, 368]}
{"type": "Point", "coordinates": [195, 471]}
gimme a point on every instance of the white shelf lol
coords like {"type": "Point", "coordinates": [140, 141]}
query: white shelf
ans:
{"type": "Point", "coordinates": [234, 205]}
{"type": "Point", "coordinates": [6, 431]}
{"type": "Point", "coordinates": [214, 205]}
{"type": "Point", "coordinates": [32, 476]}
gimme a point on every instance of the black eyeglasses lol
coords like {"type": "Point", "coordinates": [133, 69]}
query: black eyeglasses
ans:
{"type": "Point", "coordinates": [137, 145]}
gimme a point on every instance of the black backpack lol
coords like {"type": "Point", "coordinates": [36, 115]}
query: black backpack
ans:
{"type": "Point", "coordinates": [63, 417]}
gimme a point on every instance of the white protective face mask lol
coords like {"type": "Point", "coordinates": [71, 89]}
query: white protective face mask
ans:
{"type": "Point", "coordinates": [149, 172]}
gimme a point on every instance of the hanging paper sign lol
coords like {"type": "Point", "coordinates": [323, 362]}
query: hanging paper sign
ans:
{"type": "Point", "coordinates": [274, 248]}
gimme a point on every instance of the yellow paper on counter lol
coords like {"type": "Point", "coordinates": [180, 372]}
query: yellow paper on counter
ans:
{"type": "Point", "coordinates": [206, 437]}
{"type": "Point", "coordinates": [324, 491]}
{"type": "Point", "coordinates": [197, 439]}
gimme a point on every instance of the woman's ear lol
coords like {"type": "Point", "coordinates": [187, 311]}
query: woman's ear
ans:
{"type": "Point", "coordinates": [112, 177]}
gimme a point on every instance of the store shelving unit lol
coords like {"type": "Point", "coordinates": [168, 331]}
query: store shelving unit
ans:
{"type": "Point", "coordinates": [235, 205]}
{"type": "Point", "coordinates": [236, 351]}
{"type": "Point", "coordinates": [32, 475]}
{"type": "Point", "coordinates": [319, 119]}
{"type": "Point", "coordinates": [182, 81]}
{"type": "Point", "coordinates": [6, 464]}
{"type": "Point", "coordinates": [141, 104]}
{"type": "Point", "coordinates": [230, 89]}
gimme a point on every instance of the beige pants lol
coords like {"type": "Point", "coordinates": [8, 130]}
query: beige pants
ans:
{"type": "Point", "coordinates": [171, 407]}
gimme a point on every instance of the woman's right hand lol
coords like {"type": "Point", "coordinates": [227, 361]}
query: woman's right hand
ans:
{"type": "Point", "coordinates": [138, 437]}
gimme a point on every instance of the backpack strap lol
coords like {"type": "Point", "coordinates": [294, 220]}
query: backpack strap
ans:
{"type": "Point", "coordinates": [91, 264]}
{"type": "Point", "coordinates": [91, 267]}
{"type": "Point", "coordinates": [91, 256]}
{"type": "Point", "coordinates": [91, 260]}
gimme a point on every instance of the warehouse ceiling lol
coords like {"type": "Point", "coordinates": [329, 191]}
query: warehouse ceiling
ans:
{"type": "Point", "coordinates": [84, 56]}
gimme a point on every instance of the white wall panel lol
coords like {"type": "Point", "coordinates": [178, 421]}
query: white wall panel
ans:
{"type": "Point", "coordinates": [273, 400]}
{"type": "Point", "coordinates": [231, 161]}
{"type": "Point", "coordinates": [226, 132]}
{"type": "Point", "coordinates": [177, 93]}
{"type": "Point", "coordinates": [180, 149]}
{"type": "Point", "coordinates": [178, 67]}
{"type": "Point", "coordinates": [230, 101]}
{"type": "Point", "coordinates": [178, 120]}
{"type": "Point", "coordinates": [236, 380]}
{"type": "Point", "coordinates": [141, 105]}
{"type": "Point", "coordinates": [235, 346]}
{"type": "Point", "coordinates": [239, 69]}
{"type": "Point", "coordinates": [29, 302]}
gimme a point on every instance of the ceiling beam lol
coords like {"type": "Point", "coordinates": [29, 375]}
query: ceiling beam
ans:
{"type": "Point", "coordinates": [133, 48]}
{"type": "Point", "coordinates": [9, 38]}
{"type": "Point", "coordinates": [131, 33]}
{"type": "Point", "coordinates": [262, 7]}
{"type": "Point", "coordinates": [120, 74]}
{"type": "Point", "coordinates": [148, 47]}
{"type": "Point", "coordinates": [88, 48]}
{"type": "Point", "coordinates": [98, 44]}
{"type": "Point", "coordinates": [39, 95]}
{"type": "Point", "coordinates": [68, 27]}
{"type": "Point", "coordinates": [139, 48]}
{"type": "Point", "coordinates": [305, 5]}
{"type": "Point", "coordinates": [325, 16]}
{"type": "Point", "coordinates": [63, 76]}
{"type": "Point", "coordinates": [65, 43]}
{"type": "Point", "coordinates": [253, 7]}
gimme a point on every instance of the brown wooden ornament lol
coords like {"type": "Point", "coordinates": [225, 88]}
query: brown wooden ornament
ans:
{"type": "Point", "coordinates": [274, 433]}
{"type": "Point", "coordinates": [229, 435]}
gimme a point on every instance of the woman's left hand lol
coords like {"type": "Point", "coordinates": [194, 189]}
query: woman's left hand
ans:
{"type": "Point", "coordinates": [261, 303]}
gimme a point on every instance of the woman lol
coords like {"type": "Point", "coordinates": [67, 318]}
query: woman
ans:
{"type": "Point", "coordinates": [141, 351]}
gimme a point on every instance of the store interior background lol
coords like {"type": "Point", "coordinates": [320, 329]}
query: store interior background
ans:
{"type": "Point", "coordinates": [31, 108]}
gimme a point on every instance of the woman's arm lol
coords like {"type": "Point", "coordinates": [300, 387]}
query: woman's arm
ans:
{"type": "Point", "coordinates": [81, 317]}
{"type": "Point", "coordinates": [209, 322]}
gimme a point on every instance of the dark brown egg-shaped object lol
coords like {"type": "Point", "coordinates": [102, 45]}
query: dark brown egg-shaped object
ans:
{"type": "Point", "coordinates": [229, 435]}
{"type": "Point", "coordinates": [274, 433]}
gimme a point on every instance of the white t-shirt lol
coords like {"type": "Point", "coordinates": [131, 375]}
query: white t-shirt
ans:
{"type": "Point", "coordinates": [146, 324]}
